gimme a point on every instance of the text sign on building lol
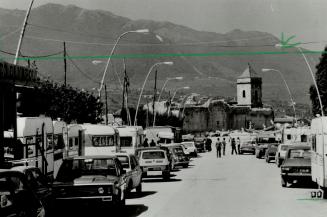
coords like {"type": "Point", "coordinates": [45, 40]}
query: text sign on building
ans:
{"type": "Point", "coordinates": [16, 73]}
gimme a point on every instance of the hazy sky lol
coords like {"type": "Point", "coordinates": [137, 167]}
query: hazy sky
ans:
{"type": "Point", "coordinates": [304, 18]}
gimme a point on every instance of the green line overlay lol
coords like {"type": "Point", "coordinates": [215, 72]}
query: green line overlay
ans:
{"type": "Point", "coordinates": [160, 55]}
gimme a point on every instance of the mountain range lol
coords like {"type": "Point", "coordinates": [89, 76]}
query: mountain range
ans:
{"type": "Point", "coordinates": [90, 35]}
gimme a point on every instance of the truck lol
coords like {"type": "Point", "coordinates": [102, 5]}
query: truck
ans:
{"type": "Point", "coordinates": [319, 153]}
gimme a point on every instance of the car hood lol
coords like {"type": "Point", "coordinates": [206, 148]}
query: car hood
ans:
{"type": "Point", "coordinates": [295, 162]}
{"type": "Point", "coordinates": [90, 180]}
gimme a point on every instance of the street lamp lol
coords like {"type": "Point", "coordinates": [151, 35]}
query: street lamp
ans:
{"type": "Point", "coordinates": [141, 31]}
{"type": "Point", "coordinates": [184, 88]}
{"type": "Point", "coordinates": [162, 89]}
{"type": "Point", "coordinates": [312, 75]}
{"type": "Point", "coordinates": [287, 87]}
{"type": "Point", "coordinates": [146, 78]}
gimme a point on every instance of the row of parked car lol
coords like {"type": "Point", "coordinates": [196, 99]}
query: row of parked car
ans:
{"type": "Point", "coordinates": [99, 180]}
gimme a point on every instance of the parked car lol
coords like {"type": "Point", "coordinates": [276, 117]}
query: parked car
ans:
{"type": "Point", "coordinates": [190, 147]}
{"type": "Point", "coordinates": [297, 165]}
{"type": "Point", "coordinates": [199, 144]}
{"type": "Point", "coordinates": [154, 161]}
{"type": "Point", "coordinates": [133, 171]}
{"type": "Point", "coordinates": [262, 142]}
{"type": "Point", "coordinates": [99, 179]}
{"type": "Point", "coordinates": [280, 154]}
{"type": "Point", "coordinates": [271, 152]}
{"type": "Point", "coordinates": [17, 199]}
{"type": "Point", "coordinates": [178, 156]}
{"type": "Point", "coordinates": [40, 185]}
{"type": "Point", "coordinates": [247, 147]}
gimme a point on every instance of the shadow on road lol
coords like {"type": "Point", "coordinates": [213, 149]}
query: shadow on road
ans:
{"type": "Point", "coordinates": [159, 179]}
{"type": "Point", "coordinates": [132, 210]}
{"type": "Point", "coordinates": [135, 195]}
{"type": "Point", "coordinates": [303, 184]}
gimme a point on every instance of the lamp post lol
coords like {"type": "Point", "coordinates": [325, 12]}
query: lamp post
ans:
{"type": "Point", "coordinates": [142, 31]}
{"type": "Point", "coordinates": [287, 87]}
{"type": "Point", "coordinates": [162, 89]}
{"type": "Point", "coordinates": [312, 75]}
{"type": "Point", "coordinates": [146, 78]}
{"type": "Point", "coordinates": [184, 88]}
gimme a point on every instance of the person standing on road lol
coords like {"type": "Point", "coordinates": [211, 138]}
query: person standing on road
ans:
{"type": "Point", "coordinates": [152, 143]}
{"type": "Point", "coordinates": [238, 143]}
{"type": "Point", "coordinates": [233, 143]}
{"type": "Point", "coordinates": [224, 146]}
{"type": "Point", "coordinates": [145, 143]}
{"type": "Point", "coordinates": [218, 148]}
{"type": "Point", "coordinates": [208, 144]}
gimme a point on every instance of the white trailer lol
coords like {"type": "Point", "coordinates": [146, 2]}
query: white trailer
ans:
{"type": "Point", "coordinates": [319, 153]}
{"type": "Point", "coordinates": [160, 134]}
{"type": "Point", "coordinates": [130, 137]}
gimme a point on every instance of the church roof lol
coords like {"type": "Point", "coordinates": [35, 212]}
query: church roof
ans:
{"type": "Point", "coordinates": [249, 73]}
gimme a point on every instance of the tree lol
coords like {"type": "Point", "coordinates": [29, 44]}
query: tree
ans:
{"type": "Point", "coordinates": [59, 101]}
{"type": "Point", "coordinates": [321, 79]}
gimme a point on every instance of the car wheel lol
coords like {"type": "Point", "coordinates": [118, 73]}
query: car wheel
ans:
{"type": "Point", "coordinates": [185, 166]}
{"type": "Point", "coordinates": [139, 188]}
{"type": "Point", "coordinates": [166, 176]}
{"type": "Point", "coordinates": [283, 181]}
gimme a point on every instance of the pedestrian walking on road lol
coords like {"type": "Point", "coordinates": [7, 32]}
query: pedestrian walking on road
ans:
{"type": "Point", "coordinates": [238, 143]}
{"type": "Point", "coordinates": [224, 146]}
{"type": "Point", "coordinates": [218, 148]}
{"type": "Point", "coordinates": [233, 143]}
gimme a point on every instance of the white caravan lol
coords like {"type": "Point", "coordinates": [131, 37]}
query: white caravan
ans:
{"type": "Point", "coordinates": [295, 135]}
{"type": "Point", "coordinates": [34, 146]}
{"type": "Point", "coordinates": [76, 140]}
{"type": "Point", "coordinates": [100, 139]}
{"type": "Point", "coordinates": [130, 138]}
{"type": "Point", "coordinates": [319, 152]}
{"type": "Point", "coordinates": [160, 134]}
{"type": "Point", "coordinates": [60, 133]}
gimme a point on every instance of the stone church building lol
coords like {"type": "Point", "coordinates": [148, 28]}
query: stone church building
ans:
{"type": "Point", "coordinates": [247, 113]}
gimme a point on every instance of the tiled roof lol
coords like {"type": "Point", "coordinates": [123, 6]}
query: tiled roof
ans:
{"type": "Point", "coordinates": [249, 73]}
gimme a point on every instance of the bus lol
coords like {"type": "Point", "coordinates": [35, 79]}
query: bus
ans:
{"type": "Point", "coordinates": [34, 145]}
{"type": "Point", "coordinates": [100, 139]}
{"type": "Point", "coordinates": [130, 137]}
{"type": "Point", "coordinates": [319, 153]}
{"type": "Point", "coordinates": [76, 141]}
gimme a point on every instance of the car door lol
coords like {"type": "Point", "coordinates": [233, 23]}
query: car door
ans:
{"type": "Point", "coordinates": [137, 170]}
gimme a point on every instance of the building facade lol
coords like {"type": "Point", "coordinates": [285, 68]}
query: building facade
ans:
{"type": "Point", "coordinates": [248, 112]}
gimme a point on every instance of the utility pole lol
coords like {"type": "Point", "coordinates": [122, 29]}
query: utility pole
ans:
{"type": "Point", "coordinates": [106, 109]}
{"type": "Point", "coordinates": [22, 33]}
{"type": "Point", "coordinates": [65, 63]}
{"type": "Point", "coordinates": [154, 95]}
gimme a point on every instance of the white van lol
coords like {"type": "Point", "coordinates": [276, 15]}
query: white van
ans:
{"type": "Point", "coordinates": [100, 139]}
{"type": "Point", "coordinates": [130, 138]}
{"type": "Point", "coordinates": [319, 152]}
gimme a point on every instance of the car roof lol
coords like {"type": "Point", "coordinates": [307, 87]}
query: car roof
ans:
{"type": "Point", "coordinates": [12, 172]}
{"type": "Point", "coordinates": [299, 147]}
{"type": "Point", "coordinates": [91, 157]}
{"type": "Point", "coordinates": [23, 168]}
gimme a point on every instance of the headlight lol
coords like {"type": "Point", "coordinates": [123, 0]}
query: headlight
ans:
{"type": "Point", "coordinates": [286, 169]}
{"type": "Point", "coordinates": [100, 190]}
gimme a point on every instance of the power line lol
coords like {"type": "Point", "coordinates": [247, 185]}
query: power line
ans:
{"type": "Point", "coordinates": [39, 56]}
{"type": "Point", "coordinates": [81, 71]}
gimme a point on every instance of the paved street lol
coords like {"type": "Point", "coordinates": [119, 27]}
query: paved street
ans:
{"type": "Point", "coordinates": [231, 186]}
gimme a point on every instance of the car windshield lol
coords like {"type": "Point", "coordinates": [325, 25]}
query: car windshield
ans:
{"type": "Point", "coordinates": [153, 155]}
{"type": "Point", "coordinates": [75, 168]}
{"type": "Point", "coordinates": [188, 145]}
{"type": "Point", "coordinates": [266, 140]}
{"type": "Point", "coordinates": [178, 150]}
{"type": "Point", "coordinates": [124, 161]}
{"type": "Point", "coordinates": [300, 153]}
{"type": "Point", "coordinates": [284, 147]}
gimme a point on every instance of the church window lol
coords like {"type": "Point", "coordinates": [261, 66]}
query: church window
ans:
{"type": "Point", "coordinates": [243, 93]}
